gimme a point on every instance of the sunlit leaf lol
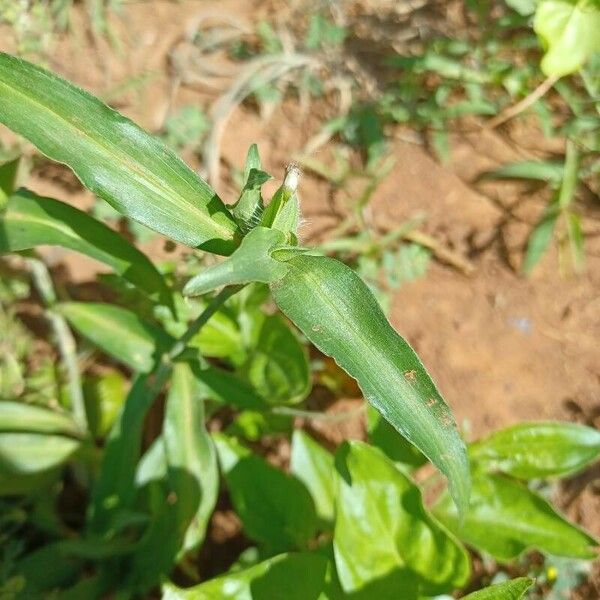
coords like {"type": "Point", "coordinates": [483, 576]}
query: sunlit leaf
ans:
{"type": "Point", "coordinates": [130, 169]}
{"type": "Point", "coordinates": [505, 518]}
{"type": "Point", "coordinates": [30, 220]}
{"type": "Point", "coordinates": [383, 530]}
{"type": "Point", "coordinates": [339, 315]}
{"type": "Point", "coordinates": [538, 450]}
{"type": "Point", "coordinates": [285, 577]}
{"type": "Point", "coordinates": [509, 590]}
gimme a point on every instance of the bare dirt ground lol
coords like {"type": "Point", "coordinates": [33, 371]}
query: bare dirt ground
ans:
{"type": "Point", "coordinates": [502, 348]}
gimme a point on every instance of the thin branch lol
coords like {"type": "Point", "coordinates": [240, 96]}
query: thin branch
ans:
{"type": "Point", "coordinates": [523, 105]}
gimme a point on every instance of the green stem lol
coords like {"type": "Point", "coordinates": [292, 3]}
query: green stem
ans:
{"type": "Point", "coordinates": [214, 305]}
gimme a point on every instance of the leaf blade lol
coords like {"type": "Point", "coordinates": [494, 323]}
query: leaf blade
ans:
{"type": "Point", "coordinates": [113, 157]}
{"type": "Point", "coordinates": [339, 315]}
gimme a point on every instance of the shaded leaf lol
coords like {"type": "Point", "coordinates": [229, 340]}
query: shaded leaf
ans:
{"type": "Point", "coordinates": [277, 365]}
{"type": "Point", "coordinates": [540, 238]}
{"type": "Point", "coordinates": [130, 169]}
{"type": "Point", "coordinates": [382, 435]}
{"type": "Point", "coordinates": [339, 315]}
{"type": "Point", "coordinates": [538, 450]}
{"type": "Point", "coordinates": [541, 170]}
{"type": "Point", "coordinates": [505, 518]}
{"type": "Point", "coordinates": [275, 508]}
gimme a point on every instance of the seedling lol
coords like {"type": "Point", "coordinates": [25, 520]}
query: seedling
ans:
{"type": "Point", "coordinates": [349, 525]}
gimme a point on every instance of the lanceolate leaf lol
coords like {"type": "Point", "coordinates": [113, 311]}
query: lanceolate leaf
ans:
{"type": "Point", "coordinates": [538, 450]}
{"type": "Point", "coordinates": [340, 316]}
{"type": "Point", "coordinates": [505, 518]}
{"type": "Point", "coordinates": [383, 531]}
{"type": "Point", "coordinates": [118, 332]}
{"type": "Point", "coordinates": [509, 590]}
{"type": "Point", "coordinates": [190, 455]}
{"type": "Point", "coordinates": [250, 262]}
{"type": "Point", "coordinates": [113, 157]}
{"type": "Point", "coordinates": [540, 237]}
{"type": "Point", "coordinates": [30, 221]}
{"type": "Point", "coordinates": [291, 576]}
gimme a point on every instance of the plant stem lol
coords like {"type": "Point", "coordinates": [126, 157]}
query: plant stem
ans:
{"type": "Point", "coordinates": [180, 345]}
{"type": "Point", "coordinates": [66, 342]}
{"type": "Point", "coordinates": [524, 104]}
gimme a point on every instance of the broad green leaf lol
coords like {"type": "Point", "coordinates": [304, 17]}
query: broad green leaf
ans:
{"type": "Point", "coordinates": [277, 364]}
{"type": "Point", "coordinates": [540, 237]}
{"type": "Point", "coordinates": [17, 417]}
{"type": "Point", "coordinates": [275, 508]}
{"type": "Point", "coordinates": [541, 170]}
{"type": "Point", "coordinates": [523, 7]}
{"type": "Point", "coordinates": [130, 169]}
{"type": "Point", "coordinates": [537, 450]}
{"type": "Point", "coordinates": [250, 262]}
{"type": "Point", "coordinates": [509, 590]}
{"type": "Point", "coordinates": [383, 530]}
{"type": "Point", "coordinates": [505, 518]}
{"type": "Point", "coordinates": [285, 577]}
{"type": "Point", "coordinates": [115, 488]}
{"type": "Point", "coordinates": [28, 453]}
{"type": "Point", "coordinates": [30, 220]}
{"type": "Point", "coordinates": [118, 332]}
{"type": "Point", "coordinates": [569, 30]}
{"type": "Point", "coordinates": [313, 465]}
{"type": "Point", "coordinates": [190, 455]}
{"type": "Point", "coordinates": [338, 313]}
{"type": "Point", "coordinates": [382, 435]}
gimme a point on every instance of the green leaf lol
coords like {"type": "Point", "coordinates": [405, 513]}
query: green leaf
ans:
{"type": "Point", "coordinates": [569, 31]}
{"type": "Point", "coordinates": [27, 453]}
{"type": "Point", "coordinates": [190, 455]}
{"type": "Point", "coordinates": [115, 488]}
{"type": "Point", "coordinates": [576, 240]}
{"type": "Point", "coordinates": [130, 169]}
{"type": "Point", "coordinates": [382, 435]}
{"type": "Point", "coordinates": [509, 590]}
{"type": "Point", "coordinates": [248, 210]}
{"type": "Point", "coordinates": [505, 518]}
{"type": "Point", "coordinates": [104, 398]}
{"type": "Point", "coordinates": [285, 577]}
{"type": "Point", "coordinates": [275, 508]}
{"type": "Point", "coordinates": [277, 365]}
{"type": "Point", "coordinates": [17, 417]}
{"type": "Point", "coordinates": [225, 387]}
{"type": "Point", "coordinates": [540, 237]}
{"type": "Point", "coordinates": [313, 465]}
{"type": "Point", "coordinates": [118, 332]}
{"type": "Point", "coordinates": [540, 170]}
{"type": "Point", "coordinates": [8, 179]}
{"type": "Point", "coordinates": [382, 529]}
{"type": "Point", "coordinates": [538, 450]}
{"type": "Point", "coordinates": [338, 313]}
{"type": "Point", "coordinates": [250, 262]}
{"type": "Point", "coordinates": [219, 338]}
{"type": "Point", "coordinates": [30, 221]}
